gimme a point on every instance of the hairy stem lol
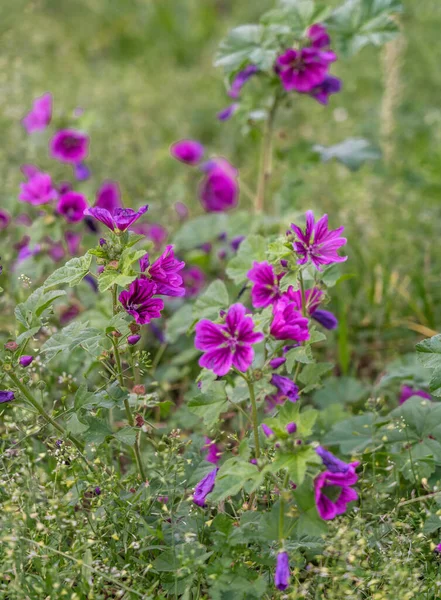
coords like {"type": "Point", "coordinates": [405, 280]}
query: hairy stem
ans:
{"type": "Point", "coordinates": [265, 158]}
{"type": "Point", "coordinates": [254, 416]}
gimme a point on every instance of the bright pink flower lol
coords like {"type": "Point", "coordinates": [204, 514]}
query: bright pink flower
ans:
{"type": "Point", "coordinates": [157, 234]}
{"type": "Point", "coordinates": [138, 301]}
{"type": "Point", "coordinates": [70, 146]}
{"type": "Point", "coordinates": [72, 206]}
{"type": "Point", "coordinates": [38, 190]}
{"type": "Point", "coordinates": [189, 152]}
{"type": "Point", "coordinates": [407, 392]}
{"type": "Point", "coordinates": [319, 36]}
{"type": "Point", "coordinates": [288, 323]}
{"type": "Point", "coordinates": [219, 190]}
{"type": "Point", "coordinates": [164, 273]}
{"type": "Point", "coordinates": [328, 504]}
{"type": "Point", "coordinates": [73, 241]}
{"type": "Point", "coordinates": [303, 70]}
{"type": "Point", "coordinates": [317, 242]}
{"type": "Point", "coordinates": [40, 115]}
{"type": "Point", "coordinates": [265, 290]}
{"type": "Point", "coordinates": [120, 219]}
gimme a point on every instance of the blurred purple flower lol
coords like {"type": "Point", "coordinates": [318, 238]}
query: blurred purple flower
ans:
{"type": "Point", "coordinates": [291, 427]}
{"type": "Point", "coordinates": [282, 575]}
{"type": "Point", "coordinates": [194, 281]}
{"type": "Point", "coordinates": [181, 210]}
{"type": "Point", "coordinates": [29, 170]}
{"type": "Point", "coordinates": [318, 243]}
{"type": "Point", "coordinates": [325, 483]}
{"type": "Point", "coordinates": [227, 344]}
{"type": "Point", "coordinates": [68, 314]}
{"type": "Point", "coordinates": [334, 464]}
{"type": "Point", "coordinates": [240, 80]}
{"type": "Point", "coordinates": [157, 234]}
{"type": "Point", "coordinates": [287, 388]}
{"type": "Point", "coordinates": [81, 171]}
{"type": "Point", "coordinates": [318, 36]}
{"type": "Point", "coordinates": [138, 301]}
{"type": "Point", "coordinates": [227, 112]}
{"type": "Point", "coordinates": [70, 146]}
{"type": "Point", "coordinates": [275, 363]}
{"type": "Point", "coordinates": [38, 190]}
{"type": "Point", "coordinates": [72, 206]}
{"type": "Point", "coordinates": [330, 85]}
{"type": "Point", "coordinates": [121, 218]}
{"type": "Point", "coordinates": [407, 392]}
{"type": "Point", "coordinates": [219, 189]}
{"type": "Point", "coordinates": [213, 451]}
{"type": "Point", "coordinates": [26, 360]}
{"type": "Point", "coordinates": [265, 290]}
{"type": "Point", "coordinates": [236, 242]}
{"type": "Point", "coordinates": [5, 219]}
{"type": "Point", "coordinates": [56, 251]}
{"type": "Point", "coordinates": [267, 430]}
{"type": "Point", "coordinates": [40, 115]}
{"type": "Point", "coordinates": [6, 396]}
{"type": "Point", "coordinates": [288, 323]}
{"type": "Point", "coordinates": [204, 487]}
{"type": "Point", "coordinates": [65, 186]}
{"type": "Point", "coordinates": [73, 241]}
{"type": "Point", "coordinates": [303, 70]}
{"type": "Point", "coordinates": [325, 318]}
{"type": "Point", "coordinates": [108, 196]}
{"type": "Point", "coordinates": [189, 152]}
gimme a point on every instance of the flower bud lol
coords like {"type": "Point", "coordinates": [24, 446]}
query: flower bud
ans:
{"type": "Point", "coordinates": [138, 389]}
{"type": "Point", "coordinates": [26, 360]}
{"type": "Point", "coordinates": [291, 427]}
{"type": "Point", "coordinates": [113, 264]}
{"type": "Point", "coordinates": [133, 339]}
{"type": "Point", "coordinates": [134, 327]}
{"type": "Point", "coordinates": [116, 334]}
{"type": "Point", "coordinates": [139, 420]}
{"type": "Point", "coordinates": [11, 346]}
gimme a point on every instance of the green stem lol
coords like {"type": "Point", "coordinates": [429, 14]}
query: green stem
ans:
{"type": "Point", "coordinates": [253, 414]}
{"type": "Point", "coordinates": [266, 158]}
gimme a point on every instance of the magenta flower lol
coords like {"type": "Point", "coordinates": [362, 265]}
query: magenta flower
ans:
{"type": "Point", "coordinates": [318, 36]}
{"type": "Point", "coordinates": [236, 242]}
{"type": "Point", "coordinates": [119, 219]}
{"type": "Point", "coordinates": [157, 234]}
{"type": "Point", "coordinates": [73, 241]}
{"type": "Point", "coordinates": [109, 196]}
{"type": "Point", "coordinates": [265, 290]}
{"type": "Point", "coordinates": [213, 451]}
{"type": "Point", "coordinates": [407, 392]}
{"type": "Point", "coordinates": [29, 170]}
{"type": "Point", "coordinates": [5, 219]}
{"type": "Point", "coordinates": [194, 281]}
{"type": "Point", "coordinates": [189, 152]}
{"type": "Point", "coordinates": [303, 70]}
{"type": "Point", "coordinates": [291, 428]}
{"type": "Point", "coordinates": [227, 112]}
{"type": "Point", "coordinates": [267, 430]}
{"type": "Point", "coordinates": [313, 297]}
{"type": "Point", "coordinates": [40, 115]}
{"type": "Point", "coordinates": [286, 388]}
{"type": "Point", "coordinates": [277, 362]}
{"type": "Point", "coordinates": [318, 243]}
{"type": "Point", "coordinates": [227, 344]}
{"type": "Point", "coordinates": [26, 360]}
{"type": "Point", "coordinates": [329, 501]}
{"type": "Point", "coordinates": [282, 575]}
{"type": "Point", "coordinates": [288, 323]}
{"type": "Point", "coordinates": [330, 85]}
{"type": "Point", "coordinates": [334, 464]}
{"type": "Point", "coordinates": [138, 301]}
{"type": "Point", "coordinates": [240, 80]}
{"type": "Point", "coordinates": [164, 273]}
{"type": "Point", "coordinates": [133, 339]}
{"type": "Point", "coordinates": [70, 146]}
{"type": "Point", "coordinates": [204, 487]}
{"type": "Point", "coordinates": [181, 210]}
{"type": "Point", "coordinates": [219, 190]}
{"type": "Point", "coordinates": [81, 171]}
{"type": "Point", "coordinates": [6, 396]}
{"type": "Point", "coordinates": [72, 206]}
{"type": "Point", "coordinates": [56, 251]}
{"type": "Point", "coordinates": [38, 190]}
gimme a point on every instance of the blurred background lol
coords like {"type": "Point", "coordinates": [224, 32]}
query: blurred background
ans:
{"type": "Point", "coordinates": [143, 72]}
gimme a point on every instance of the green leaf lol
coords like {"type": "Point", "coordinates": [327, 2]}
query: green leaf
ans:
{"type": "Point", "coordinates": [128, 257]}
{"type": "Point", "coordinates": [233, 476]}
{"type": "Point", "coordinates": [353, 435]}
{"type": "Point", "coordinates": [74, 335]}
{"type": "Point", "coordinates": [353, 152]}
{"type": "Point", "coordinates": [309, 523]}
{"type": "Point", "coordinates": [301, 354]}
{"type": "Point", "coordinates": [341, 390]}
{"type": "Point", "coordinates": [110, 277]}
{"type": "Point", "coordinates": [289, 413]}
{"type": "Point", "coordinates": [72, 272]}
{"type": "Point", "coordinates": [295, 463]}
{"type": "Point", "coordinates": [75, 426]}
{"type": "Point", "coordinates": [253, 248]}
{"type": "Point", "coordinates": [244, 44]}
{"type": "Point", "coordinates": [28, 312]}
{"type": "Point", "coordinates": [432, 524]}
{"type": "Point", "coordinates": [127, 435]}
{"type": "Point", "coordinates": [311, 375]}
{"type": "Point", "coordinates": [214, 299]}
{"type": "Point", "coordinates": [429, 355]}
{"type": "Point", "coordinates": [97, 432]}
{"type": "Point", "coordinates": [197, 231]}
{"type": "Point", "coordinates": [179, 323]}
{"type": "Point", "coordinates": [416, 420]}
{"type": "Point", "coordinates": [211, 404]}
{"type": "Point", "coordinates": [357, 23]}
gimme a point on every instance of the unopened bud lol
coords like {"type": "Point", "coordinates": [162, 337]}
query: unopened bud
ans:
{"type": "Point", "coordinates": [138, 389]}
{"type": "Point", "coordinates": [11, 346]}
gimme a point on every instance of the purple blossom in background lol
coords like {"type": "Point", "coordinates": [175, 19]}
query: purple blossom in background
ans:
{"type": "Point", "coordinates": [407, 392]}
{"type": "Point", "coordinates": [69, 146]}
{"type": "Point", "coordinates": [157, 234]}
{"type": "Point", "coordinates": [26, 252]}
{"type": "Point", "coordinates": [181, 210]}
{"type": "Point", "coordinates": [64, 186]}
{"type": "Point", "coordinates": [318, 36]}
{"type": "Point", "coordinates": [38, 190]}
{"type": "Point", "coordinates": [267, 430]}
{"type": "Point", "coordinates": [56, 251]}
{"type": "Point", "coordinates": [5, 219]}
{"type": "Point", "coordinates": [265, 290]}
{"type": "Point", "coordinates": [108, 196]}
{"type": "Point", "coordinates": [68, 314]}
{"type": "Point", "coordinates": [138, 301]}
{"type": "Point", "coordinates": [204, 487]}
{"type": "Point", "coordinates": [73, 241]}
{"type": "Point", "coordinates": [133, 339]}
{"type": "Point", "coordinates": [287, 388]}
{"type": "Point", "coordinates": [158, 333]}
{"type": "Point", "coordinates": [40, 115]}
{"type": "Point", "coordinates": [303, 70]}
{"type": "Point", "coordinates": [213, 451]}
{"type": "Point", "coordinates": [227, 344]}
{"type": "Point", "coordinates": [240, 80]}
{"type": "Point", "coordinates": [330, 85]}
{"type": "Point", "coordinates": [6, 396]}
{"type": "Point", "coordinates": [164, 273]}
{"type": "Point", "coordinates": [325, 318]}
{"type": "Point", "coordinates": [288, 323]}
{"type": "Point", "coordinates": [120, 219]}
{"type": "Point", "coordinates": [81, 171]}
{"type": "Point", "coordinates": [291, 428]}
{"type": "Point", "coordinates": [26, 360]}
{"type": "Point", "coordinates": [236, 242]}
{"type": "Point", "coordinates": [29, 170]}
{"type": "Point", "coordinates": [277, 362]}
{"type": "Point", "coordinates": [23, 219]}
{"type": "Point", "coordinates": [72, 206]}
{"type": "Point", "coordinates": [205, 247]}
{"type": "Point", "coordinates": [438, 548]}
{"type": "Point", "coordinates": [334, 464]}
{"type": "Point", "coordinates": [282, 575]}
{"type": "Point", "coordinates": [194, 281]}
{"type": "Point", "coordinates": [189, 152]}
{"type": "Point", "coordinates": [325, 483]}
{"type": "Point", "coordinates": [318, 243]}
{"type": "Point", "coordinates": [219, 190]}
{"type": "Point", "coordinates": [227, 112]}
{"type": "Point", "coordinates": [91, 280]}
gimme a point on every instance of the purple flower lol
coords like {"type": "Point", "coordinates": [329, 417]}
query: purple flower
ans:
{"type": "Point", "coordinates": [121, 218]}
{"type": "Point", "coordinates": [68, 314]}
{"type": "Point", "coordinates": [318, 243]}
{"type": "Point", "coordinates": [330, 85]}
{"type": "Point", "coordinates": [227, 344]}
{"type": "Point", "coordinates": [330, 501]}
{"type": "Point", "coordinates": [282, 575]}
{"type": "Point", "coordinates": [64, 186]}
{"type": "Point", "coordinates": [219, 189]}
{"type": "Point", "coordinates": [157, 234]}
{"type": "Point", "coordinates": [325, 318]}
{"type": "Point", "coordinates": [213, 451]}
{"type": "Point", "coordinates": [265, 290]}
{"type": "Point", "coordinates": [56, 251]}
{"type": "Point", "coordinates": [26, 252]}
{"type": "Point", "coordinates": [227, 112]}
{"type": "Point", "coordinates": [164, 273]}
{"type": "Point", "coordinates": [286, 387]}
{"type": "Point", "coordinates": [194, 281]}
{"type": "Point", "coordinates": [236, 242]}
{"type": "Point", "coordinates": [277, 362]}
{"type": "Point", "coordinates": [73, 241]}
{"type": "Point", "coordinates": [70, 146]}
{"type": "Point", "coordinates": [133, 339]}
{"type": "Point", "coordinates": [5, 219]}
{"type": "Point", "coordinates": [204, 487]}
{"type": "Point", "coordinates": [313, 297]}
{"type": "Point", "coordinates": [97, 491]}
{"type": "Point", "coordinates": [407, 392]}
{"type": "Point", "coordinates": [291, 427]}
{"type": "Point", "coordinates": [138, 301]}
{"type": "Point", "coordinates": [334, 464]}
{"type": "Point", "coordinates": [29, 170]}
{"type": "Point", "coordinates": [108, 196]}
{"type": "Point", "coordinates": [72, 206]}
{"type": "Point", "coordinates": [81, 171]}
{"type": "Point", "coordinates": [438, 548]}
{"type": "Point", "coordinates": [267, 430]}
{"type": "Point", "coordinates": [240, 80]}
{"type": "Point", "coordinates": [38, 190]}
{"type": "Point", "coordinates": [288, 323]}
{"type": "Point", "coordinates": [6, 396]}
{"type": "Point", "coordinates": [318, 36]}
{"type": "Point", "coordinates": [26, 360]}
{"type": "Point", "coordinates": [303, 70]}
{"type": "Point", "coordinates": [181, 210]}
{"type": "Point", "coordinates": [40, 115]}
{"type": "Point", "coordinates": [189, 152]}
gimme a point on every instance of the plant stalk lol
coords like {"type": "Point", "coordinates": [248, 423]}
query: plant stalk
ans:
{"type": "Point", "coordinates": [265, 158]}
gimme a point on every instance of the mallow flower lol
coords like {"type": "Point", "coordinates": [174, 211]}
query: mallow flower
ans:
{"type": "Point", "coordinates": [189, 152]}
{"type": "Point", "coordinates": [40, 115]}
{"type": "Point", "coordinates": [6, 396]}
{"type": "Point", "coordinates": [313, 297]}
{"type": "Point", "coordinates": [38, 189]}
{"type": "Point", "coordinates": [333, 463]}
{"type": "Point", "coordinates": [303, 69]}
{"type": "Point", "coordinates": [227, 112]}
{"type": "Point", "coordinates": [407, 392]}
{"type": "Point", "coordinates": [240, 80]}
{"type": "Point", "coordinates": [227, 344]}
{"type": "Point", "coordinates": [286, 388]}
{"type": "Point", "coordinates": [69, 146]}
{"type": "Point", "coordinates": [282, 575]}
{"type": "Point", "coordinates": [318, 36]}
{"type": "Point", "coordinates": [72, 206]}
{"type": "Point", "coordinates": [164, 272]}
{"type": "Point", "coordinates": [26, 360]}
{"type": "Point", "coordinates": [213, 452]}
{"type": "Point", "coordinates": [265, 290]}
{"type": "Point", "coordinates": [194, 281]}
{"type": "Point", "coordinates": [219, 190]}
{"type": "Point", "coordinates": [333, 492]}
{"type": "Point", "coordinates": [330, 85]}
{"type": "Point", "coordinates": [5, 219]}
{"type": "Point", "coordinates": [204, 487]}
{"type": "Point", "coordinates": [119, 219]}
{"type": "Point", "coordinates": [139, 302]}
{"type": "Point", "coordinates": [317, 242]}
{"type": "Point", "coordinates": [288, 323]}
{"type": "Point", "coordinates": [108, 196]}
